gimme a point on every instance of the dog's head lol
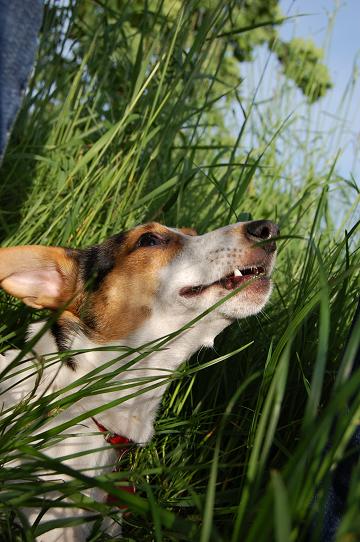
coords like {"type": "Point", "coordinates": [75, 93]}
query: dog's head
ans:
{"type": "Point", "coordinates": [112, 288]}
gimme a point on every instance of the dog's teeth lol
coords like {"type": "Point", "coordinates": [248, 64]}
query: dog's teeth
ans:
{"type": "Point", "coordinates": [237, 273]}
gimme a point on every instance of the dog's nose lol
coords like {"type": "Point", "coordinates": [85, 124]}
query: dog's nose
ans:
{"type": "Point", "coordinates": [260, 230]}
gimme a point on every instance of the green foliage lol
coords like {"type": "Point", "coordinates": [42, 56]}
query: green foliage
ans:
{"type": "Point", "coordinates": [301, 61]}
{"type": "Point", "coordinates": [127, 120]}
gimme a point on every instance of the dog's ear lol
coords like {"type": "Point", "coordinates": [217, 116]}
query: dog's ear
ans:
{"type": "Point", "coordinates": [189, 231]}
{"type": "Point", "coordinates": [42, 277]}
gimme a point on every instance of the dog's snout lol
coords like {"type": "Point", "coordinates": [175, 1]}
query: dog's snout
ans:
{"type": "Point", "coordinates": [261, 230]}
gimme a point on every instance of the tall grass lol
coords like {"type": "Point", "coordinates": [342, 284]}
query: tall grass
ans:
{"type": "Point", "coordinates": [241, 446]}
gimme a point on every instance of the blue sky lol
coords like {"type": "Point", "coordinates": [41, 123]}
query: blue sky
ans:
{"type": "Point", "coordinates": [342, 50]}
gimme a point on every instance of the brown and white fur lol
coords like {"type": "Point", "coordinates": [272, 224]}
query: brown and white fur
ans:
{"type": "Point", "coordinates": [130, 290]}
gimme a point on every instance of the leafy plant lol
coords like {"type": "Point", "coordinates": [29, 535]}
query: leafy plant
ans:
{"type": "Point", "coordinates": [127, 120]}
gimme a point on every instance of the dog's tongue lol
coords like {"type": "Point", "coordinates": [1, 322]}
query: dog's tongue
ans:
{"type": "Point", "coordinates": [230, 283]}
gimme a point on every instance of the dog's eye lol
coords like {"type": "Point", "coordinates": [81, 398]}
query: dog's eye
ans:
{"type": "Point", "coordinates": [150, 240]}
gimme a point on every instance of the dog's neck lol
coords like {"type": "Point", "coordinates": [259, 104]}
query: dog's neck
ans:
{"type": "Point", "coordinates": [147, 377]}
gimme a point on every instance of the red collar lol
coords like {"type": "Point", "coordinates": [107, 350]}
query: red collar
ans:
{"type": "Point", "coordinates": [122, 447]}
{"type": "Point", "coordinates": [113, 438]}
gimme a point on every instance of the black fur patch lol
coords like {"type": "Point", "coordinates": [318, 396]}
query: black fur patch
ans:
{"type": "Point", "coordinates": [88, 319]}
{"type": "Point", "coordinates": [97, 261]}
{"type": "Point", "coordinates": [61, 336]}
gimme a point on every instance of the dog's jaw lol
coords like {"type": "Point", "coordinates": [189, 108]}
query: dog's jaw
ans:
{"type": "Point", "coordinates": [207, 260]}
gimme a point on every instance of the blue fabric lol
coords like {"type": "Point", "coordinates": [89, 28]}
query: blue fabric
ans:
{"type": "Point", "coordinates": [340, 480]}
{"type": "Point", "coordinates": [339, 488]}
{"type": "Point", "coordinates": [20, 22]}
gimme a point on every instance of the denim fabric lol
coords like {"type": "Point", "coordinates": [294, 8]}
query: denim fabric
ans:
{"type": "Point", "coordinates": [20, 22]}
{"type": "Point", "coordinates": [341, 478]}
{"type": "Point", "coordinates": [339, 488]}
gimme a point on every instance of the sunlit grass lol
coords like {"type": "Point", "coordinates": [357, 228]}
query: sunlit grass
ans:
{"type": "Point", "coordinates": [241, 439]}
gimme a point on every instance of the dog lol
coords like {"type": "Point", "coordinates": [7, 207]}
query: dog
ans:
{"type": "Point", "coordinates": [134, 289]}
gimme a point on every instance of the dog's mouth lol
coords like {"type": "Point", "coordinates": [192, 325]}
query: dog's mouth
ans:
{"type": "Point", "coordinates": [229, 282]}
